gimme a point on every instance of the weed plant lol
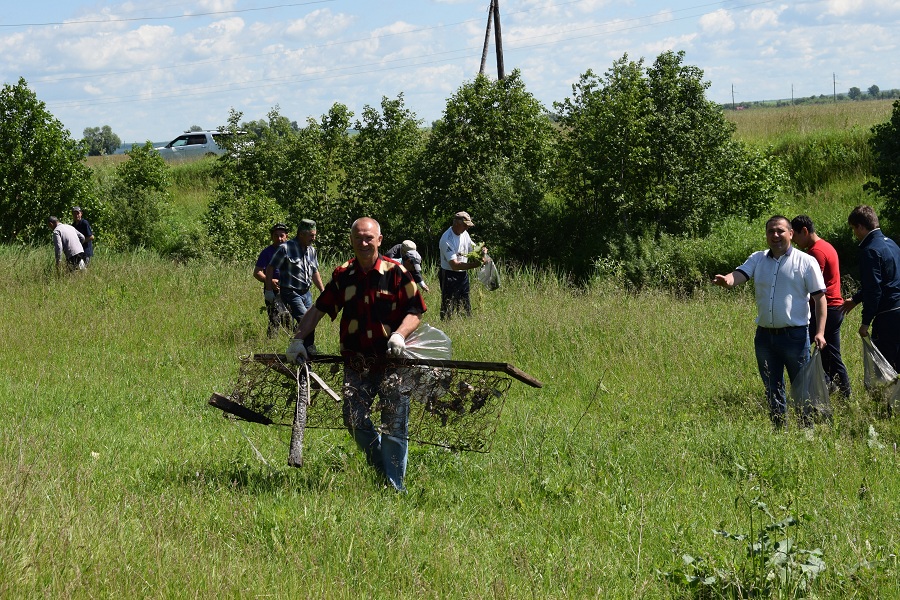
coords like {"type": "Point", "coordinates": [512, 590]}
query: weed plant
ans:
{"type": "Point", "coordinates": [118, 480]}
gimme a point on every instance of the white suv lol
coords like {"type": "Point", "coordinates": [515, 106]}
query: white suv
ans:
{"type": "Point", "coordinates": [194, 144]}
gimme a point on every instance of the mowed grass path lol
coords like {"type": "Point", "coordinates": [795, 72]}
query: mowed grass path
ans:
{"type": "Point", "coordinates": [117, 480]}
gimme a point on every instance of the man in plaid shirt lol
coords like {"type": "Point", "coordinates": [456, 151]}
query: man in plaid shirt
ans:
{"type": "Point", "coordinates": [380, 305]}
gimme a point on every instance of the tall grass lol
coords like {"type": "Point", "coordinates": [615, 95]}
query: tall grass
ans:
{"type": "Point", "coordinates": [117, 480]}
{"type": "Point", "coordinates": [767, 125]}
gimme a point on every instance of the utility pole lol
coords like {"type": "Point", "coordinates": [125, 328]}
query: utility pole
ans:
{"type": "Point", "coordinates": [834, 83]}
{"type": "Point", "coordinates": [733, 105]}
{"type": "Point", "coordinates": [498, 40]}
{"type": "Point", "coordinates": [487, 38]}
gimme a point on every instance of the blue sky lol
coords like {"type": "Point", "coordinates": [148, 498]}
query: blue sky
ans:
{"type": "Point", "coordinates": [152, 69]}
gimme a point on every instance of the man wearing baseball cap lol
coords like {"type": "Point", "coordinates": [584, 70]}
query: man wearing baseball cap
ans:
{"type": "Point", "coordinates": [275, 308]}
{"type": "Point", "coordinates": [82, 225]}
{"type": "Point", "coordinates": [407, 255]}
{"type": "Point", "coordinates": [455, 244]}
{"type": "Point", "coordinates": [298, 264]}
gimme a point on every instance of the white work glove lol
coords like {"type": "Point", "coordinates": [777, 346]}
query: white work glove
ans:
{"type": "Point", "coordinates": [396, 345]}
{"type": "Point", "coordinates": [296, 352]}
{"type": "Point", "coordinates": [269, 295]}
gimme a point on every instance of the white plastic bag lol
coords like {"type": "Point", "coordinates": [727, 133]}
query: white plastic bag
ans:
{"type": "Point", "coordinates": [489, 275]}
{"type": "Point", "coordinates": [809, 389]}
{"type": "Point", "coordinates": [878, 374]}
{"type": "Point", "coordinates": [427, 342]}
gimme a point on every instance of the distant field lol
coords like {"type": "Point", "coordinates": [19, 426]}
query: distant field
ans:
{"type": "Point", "coordinates": [756, 125]}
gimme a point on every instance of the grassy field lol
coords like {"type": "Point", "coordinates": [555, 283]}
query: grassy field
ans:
{"type": "Point", "coordinates": [650, 433]}
{"type": "Point", "coordinates": [117, 479]}
{"type": "Point", "coordinates": [766, 125]}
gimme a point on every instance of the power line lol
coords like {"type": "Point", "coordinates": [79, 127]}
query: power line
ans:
{"type": "Point", "coordinates": [388, 35]}
{"type": "Point", "coordinates": [269, 82]}
{"type": "Point", "coordinates": [173, 17]}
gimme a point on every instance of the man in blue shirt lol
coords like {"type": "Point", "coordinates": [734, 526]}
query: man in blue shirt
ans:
{"type": "Point", "coordinates": [879, 270]}
{"type": "Point", "coordinates": [82, 225]}
{"type": "Point", "coordinates": [275, 308]}
{"type": "Point", "coordinates": [785, 279]}
{"type": "Point", "coordinates": [298, 264]}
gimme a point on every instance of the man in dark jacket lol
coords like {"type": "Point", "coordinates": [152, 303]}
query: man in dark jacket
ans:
{"type": "Point", "coordinates": [879, 270]}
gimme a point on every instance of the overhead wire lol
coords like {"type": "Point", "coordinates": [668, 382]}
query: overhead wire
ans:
{"type": "Point", "coordinates": [353, 70]}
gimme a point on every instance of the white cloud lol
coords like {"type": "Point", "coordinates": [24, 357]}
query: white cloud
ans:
{"type": "Point", "coordinates": [762, 18]}
{"type": "Point", "coordinates": [717, 22]}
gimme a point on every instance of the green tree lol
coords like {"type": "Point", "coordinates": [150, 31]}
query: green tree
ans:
{"type": "Point", "coordinates": [100, 140]}
{"type": "Point", "coordinates": [380, 168]}
{"type": "Point", "coordinates": [855, 93]}
{"type": "Point", "coordinates": [490, 155]}
{"type": "Point", "coordinates": [42, 169]}
{"type": "Point", "coordinates": [278, 162]}
{"type": "Point", "coordinates": [135, 200]}
{"type": "Point", "coordinates": [645, 153]}
{"type": "Point", "coordinates": [874, 91]}
{"type": "Point", "coordinates": [885, 144]}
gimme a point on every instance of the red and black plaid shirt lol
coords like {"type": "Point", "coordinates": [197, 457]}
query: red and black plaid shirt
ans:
{"type": "Point", "coordinates": [372, 304]}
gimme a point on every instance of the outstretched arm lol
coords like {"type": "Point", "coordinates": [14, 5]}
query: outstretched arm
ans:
{"type": "Point", "coordinates": [729, 281]}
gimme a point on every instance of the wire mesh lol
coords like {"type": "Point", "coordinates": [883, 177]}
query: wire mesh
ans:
{"type": "Point", "coordinates": [450, 407]}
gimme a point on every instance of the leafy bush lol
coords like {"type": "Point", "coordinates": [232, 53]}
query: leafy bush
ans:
{"type": "Point", "coordinates": [812, 162]}
{"type": "Point", "coordinates": [238, 226]}
{"type": "Point", "coordinates": [42, 172]}
{"type": "Point", "coordinates": [135, 199]}
{"type": "Point", "coordinates": [885, 143]}
{"type": "Point", "coordinates": [489, 154]}
{"type": "Point", "coordinates": [643, 152]}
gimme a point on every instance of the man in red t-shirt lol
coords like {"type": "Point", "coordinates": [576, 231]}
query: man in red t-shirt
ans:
{"type": "Point", "coordinates": [806, 239]}
{"type": "Point", "coordinates": [380, 306]}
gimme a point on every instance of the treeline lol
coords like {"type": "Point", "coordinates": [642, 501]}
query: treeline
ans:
{"type": "Point", "coordinates": [625, 176]}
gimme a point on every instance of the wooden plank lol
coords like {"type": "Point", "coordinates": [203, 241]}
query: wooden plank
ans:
{"type": "Point", "coordinates": [512, 371]}
{"type": "Point", "coordinates": [224, 404]}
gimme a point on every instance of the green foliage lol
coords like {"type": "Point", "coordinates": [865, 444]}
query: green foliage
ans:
{"type": "Point", "coordinates": [41, 167]}
{"type": "Point", "coordinates": [135, 200]}
{"type": "Point", "coordinates": [817, 160]}
{"type": "Point", "coordinates": [855, 93]}
{"type": "Point", "coordinates": [380, 168]}
{"type": "Point", "coordinates": [774, 564]}
{"type": "Point", "coordinates": [885, 143]}
{"type": "Point", "coordinates": [100, 140]}
{"type": "Point", "coordinates": [238, 226]}
{"type": "Point", "coordinates": [490, 155]}
{"type": "Point", "coordinates": [287, 165]}
{"type": "Point", "coordinates": [644, 151]}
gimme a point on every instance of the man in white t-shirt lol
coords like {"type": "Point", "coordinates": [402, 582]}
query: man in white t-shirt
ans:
{"type": "Point", "coordinates": [785, 279]}
{"type": "Point", "coordinates": [455, 244]}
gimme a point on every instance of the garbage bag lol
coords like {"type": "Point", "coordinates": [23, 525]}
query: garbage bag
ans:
{"type": "Point", "coordinates": [878, 374]}
{"type": "Point", "coordinates": [809, 389]}
{"type": "Point", "coordinates": [489, 275]}
{"type": "Point", "coordinates": [427, 342]}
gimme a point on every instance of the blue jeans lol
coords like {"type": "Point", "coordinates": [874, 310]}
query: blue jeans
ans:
{"type": "Point", "coordinates": [298, 304]}
{"type": "Point", "coordinates": [777, 350]}
{"type": "Point", "coordinates": [386, 448]}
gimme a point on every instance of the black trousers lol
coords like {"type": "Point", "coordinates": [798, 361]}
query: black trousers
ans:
{"type": "Point", "coordinates": [886, 336]}
{"type": "Point", "coordinates": [454, 293]}
{"type": "Point", "coordinates": [831, 354]}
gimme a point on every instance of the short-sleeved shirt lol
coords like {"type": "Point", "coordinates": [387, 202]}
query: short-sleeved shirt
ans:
{"type": "Point", "coordinates": [783, 286]}
{"type": "Point", "coordinates": [296, 265]}
{"type": "Point", "coordinates": [372, 304]}
{"type": "Point", "coordinates": [84, 228]}
{"type": "Point", "coordinates": [454, 247]}
{"type": "Point", "coordinates": [265, 257]}
{"type": "Point", "coordinates": [827, 257]}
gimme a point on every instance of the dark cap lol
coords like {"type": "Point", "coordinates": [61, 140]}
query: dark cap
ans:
{"type": "Point", "coordinates": [76, 209]}
{"type": "Point", "coordinates": [464, 217]}
{"type": "Point", "coordinates": [307, 225]}
{"type": "Point", "coordinates": [278, 227]}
